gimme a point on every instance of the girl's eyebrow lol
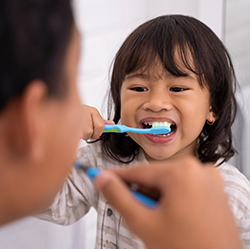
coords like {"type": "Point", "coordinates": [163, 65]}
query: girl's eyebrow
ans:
{"type": "Point", "coordinates": [147, 76]}
{"type": "Point", "coordinates": [138, 75]}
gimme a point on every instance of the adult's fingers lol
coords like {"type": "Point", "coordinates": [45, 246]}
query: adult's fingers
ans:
{"type": "Point", "coordinates": [120, 197]}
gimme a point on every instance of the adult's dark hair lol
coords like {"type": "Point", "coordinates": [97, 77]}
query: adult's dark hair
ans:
{"type": "Point", "coordinates": [161, 38]}
{"type": "Point", "coordinates": [34, 36]}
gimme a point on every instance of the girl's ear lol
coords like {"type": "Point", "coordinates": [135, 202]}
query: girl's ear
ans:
{"type": "Point", "coordinates": [211, 117]}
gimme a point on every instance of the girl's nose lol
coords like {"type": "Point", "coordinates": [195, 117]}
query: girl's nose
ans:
{"type": "Point", "coordinates": [157, 102]}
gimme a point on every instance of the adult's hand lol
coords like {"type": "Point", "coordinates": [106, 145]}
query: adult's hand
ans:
{"type": "Point", "coordinates": [193, 209]}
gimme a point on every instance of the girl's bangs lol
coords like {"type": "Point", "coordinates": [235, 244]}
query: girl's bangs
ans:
{"type": "Point", "coordinates": [176, 58]}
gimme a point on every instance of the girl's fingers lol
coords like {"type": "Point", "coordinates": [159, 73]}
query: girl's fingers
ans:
{"type": "Point", "coordinates": [110, 122]}
{"type": "Point", "coordinates": [97, 123]}
{"type": "Point", "coordinates": [93, 123]}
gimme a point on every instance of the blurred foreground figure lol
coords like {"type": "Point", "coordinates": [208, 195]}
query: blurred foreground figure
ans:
{"type": "Point", "coordinates": [40, 111]}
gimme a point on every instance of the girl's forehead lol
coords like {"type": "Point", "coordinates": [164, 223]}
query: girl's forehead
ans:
{"type": "Point", "coordinates": [158, 68]}
{"type": "Point", "coordinates": [153, 71]}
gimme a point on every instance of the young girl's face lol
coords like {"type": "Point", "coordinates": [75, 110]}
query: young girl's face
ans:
{"type": "Point", "coordinates": [155, 95]}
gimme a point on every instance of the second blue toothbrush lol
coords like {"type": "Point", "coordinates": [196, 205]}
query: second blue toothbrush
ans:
{"type": "Point", "coordinates": [94, 172]}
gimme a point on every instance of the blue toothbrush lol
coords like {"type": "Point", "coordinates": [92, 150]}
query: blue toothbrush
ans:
{"type": "Point", "coordinates": [155, 130]}
{"type": "Point", "coordinates": [92, 173]}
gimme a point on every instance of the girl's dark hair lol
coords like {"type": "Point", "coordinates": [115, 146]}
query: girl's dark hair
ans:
{"type": "Point", "coordinates": [161, 38]}
{"type": "Point", "coordinates": [34, 36]}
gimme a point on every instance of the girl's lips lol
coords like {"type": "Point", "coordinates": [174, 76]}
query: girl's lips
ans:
{"type": "Point", "coordinates": [161, 138]}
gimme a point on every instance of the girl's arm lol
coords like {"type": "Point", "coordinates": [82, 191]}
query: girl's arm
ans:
{"type": "Point", "coordinates": [73, 201]}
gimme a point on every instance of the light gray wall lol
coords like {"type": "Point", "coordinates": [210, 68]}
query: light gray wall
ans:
{"type": "Point", "coordinates": [237, 37]}
{"type": "Point", "coordinates": [237, 40]}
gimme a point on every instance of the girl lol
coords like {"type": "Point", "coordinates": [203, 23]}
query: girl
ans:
{"type": "Point", "coordinates": [172, 68]}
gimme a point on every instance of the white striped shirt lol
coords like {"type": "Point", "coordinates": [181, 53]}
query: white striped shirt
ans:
{"type": "Point", "coordinates": [78, 195]}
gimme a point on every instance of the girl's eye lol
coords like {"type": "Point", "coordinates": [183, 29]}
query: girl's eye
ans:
{"type": "Point", "coordinates": [139, 89]}
{"type": "Point", "coordinates": [177, 89]}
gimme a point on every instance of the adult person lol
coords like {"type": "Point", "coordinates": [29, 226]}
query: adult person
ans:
{"type": "Point", "coordinates": [40, 111]}
{"type": "Point", "coordinates": [193, 209]}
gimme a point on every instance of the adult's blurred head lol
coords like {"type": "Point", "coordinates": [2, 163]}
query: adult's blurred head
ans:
{"type": "Point", "coordinates": [40, 110]}
{"type": "Point", "coordinates": [34, 36]}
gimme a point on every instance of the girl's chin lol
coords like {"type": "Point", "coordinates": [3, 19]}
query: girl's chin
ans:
{"type": "Point", "coordinates": [154, 157]}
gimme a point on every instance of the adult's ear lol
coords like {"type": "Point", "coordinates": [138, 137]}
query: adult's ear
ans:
{"type": "Point", "coordinates": [24, 123]}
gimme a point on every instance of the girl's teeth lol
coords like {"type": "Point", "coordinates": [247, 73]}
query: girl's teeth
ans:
{"type": "Point", "coordinates": [156, 124]}
{"type": "Point", "coordinates": [165, 123]}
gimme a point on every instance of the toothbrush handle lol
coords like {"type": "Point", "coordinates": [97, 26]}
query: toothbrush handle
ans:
{"type": "Point", "coordinates": [114, 128]}
{"type": "Point", "coordinates": [124, 128]}
{"type": "Point", "coordinates": [145, 199]}
{"type": "Point", "coordinates": [139, 131]}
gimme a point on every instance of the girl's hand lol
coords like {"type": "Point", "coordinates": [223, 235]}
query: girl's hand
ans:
{"type": "Point", "coordinates": [93, 123]}
{"type": "Point", "coordinates": [193, 209]}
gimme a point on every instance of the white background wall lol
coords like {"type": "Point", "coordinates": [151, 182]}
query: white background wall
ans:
{"type": "Point", "coordinates": [104, 24]}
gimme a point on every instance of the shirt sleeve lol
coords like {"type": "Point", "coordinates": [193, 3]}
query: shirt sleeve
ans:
{"type": "Point", "coordinates": [74, 199]}
{"type": "Point", "coordinates": [237, 188]}
{"type": "Point", "coordinates": [244, 227]}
